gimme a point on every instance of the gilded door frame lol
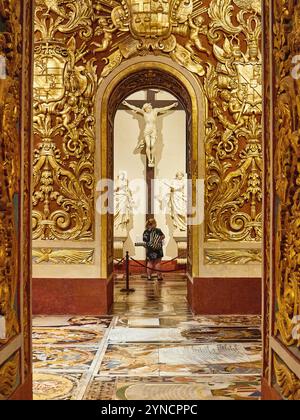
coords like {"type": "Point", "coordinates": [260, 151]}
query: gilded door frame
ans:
{"type": "Point", "coordinates": [197, 118]}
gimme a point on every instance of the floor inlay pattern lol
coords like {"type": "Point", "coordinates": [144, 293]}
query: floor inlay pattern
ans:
{"type": "Point", "coordinates": [150, 348]}
{"type": "Point", "coordinates": [174, 388]}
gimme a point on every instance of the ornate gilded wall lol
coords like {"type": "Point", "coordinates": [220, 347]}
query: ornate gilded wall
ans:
{"type": "Point", "coordinates": [282, 153]}
{"type": "Point", "coordinates": [78, 44]}
{"type": "Point", "coordinates": [15, 194]}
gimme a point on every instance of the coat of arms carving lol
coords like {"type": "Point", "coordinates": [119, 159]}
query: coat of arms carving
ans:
{"type": "Point", "coordinates": [150, 18]}
{"type": "Point", "coordinates": [153, 25]}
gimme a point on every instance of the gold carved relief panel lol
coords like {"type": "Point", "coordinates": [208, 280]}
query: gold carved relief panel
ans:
{"type": "Point", "coordinates": [15, 193]}
{"type": "Point", "coordinates": [63, 256]}
{"type": "Point", "coordinates": [233, 257]}
{"type": "Point", "coordinates": [10, 85]}
{"type": "Point", "coordinates": [9, 377]}
{"type": "Point", "coordinates": [78, 44]}
{"type": "Point", "coordinates": [282, 263]}
{"type": "Point", "coordinates": [288, 382]}
{"type": "Point", "coordinates": [287, 173]}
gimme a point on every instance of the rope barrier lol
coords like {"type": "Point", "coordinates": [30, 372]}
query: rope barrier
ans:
{"type": "Point", "coordinates": [127, 259]}
{"type": "Point", "coordinates": [142, 244]}
{"type": "Point", "coordinates": [119, 261]}
{"type": "Point", "coordinates": [153, 269]}
{"type": "Point", "coordinates": [173, 259]}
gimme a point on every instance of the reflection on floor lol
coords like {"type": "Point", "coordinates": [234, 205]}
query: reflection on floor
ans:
{"type": "Point", "coordinates": [151, 348]}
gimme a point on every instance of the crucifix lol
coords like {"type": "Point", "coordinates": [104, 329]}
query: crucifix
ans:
{"type": "Point", "coordinates": [150, 110]}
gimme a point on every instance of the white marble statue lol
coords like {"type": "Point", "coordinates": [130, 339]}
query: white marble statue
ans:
{"type": "Point", "coordinates": [178, 202]}
{"type": "Point", "coordinates": [150, 115]}
{"type": "Point", "coordinates": [123, 202]}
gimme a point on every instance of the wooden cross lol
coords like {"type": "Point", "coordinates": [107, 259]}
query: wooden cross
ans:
{"type": "Point", "coordinates": [150, 172]}
{"type": "Point", "coordinates": [151, 99]}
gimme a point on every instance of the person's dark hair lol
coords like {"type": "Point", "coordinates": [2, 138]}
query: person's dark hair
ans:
{"type": "Point", "coordinates": [151, 223]}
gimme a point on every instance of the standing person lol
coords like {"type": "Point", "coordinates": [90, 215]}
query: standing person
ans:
{"type": "Point", "coordinates": [153, 238]}
{"type": "Point", "coordinates": [150, 115]}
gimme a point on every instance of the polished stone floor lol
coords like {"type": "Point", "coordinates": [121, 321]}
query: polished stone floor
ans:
{"type": "Point", "coordinates": [150, 348]}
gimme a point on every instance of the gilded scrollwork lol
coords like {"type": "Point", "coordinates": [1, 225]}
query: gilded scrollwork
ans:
{"type": "Point", "coordinates": [9, 373]}
{"type": "Point", "coordinates": [288, 382]}
{"type": "Point", "coordinates": [15, 197]}
{"type": "Point", "coordinates": [233, 145]}
{"type": "Point", "coordinates": [78, 44]}
{"type": "Point", "coordinates": [282, 192]}
{"type": "Point", "coordinates": [63, 256]}
{"type": "Point", "coordinates": [64, 91]}
{"type": "Point", "coordinates": [10, 49]}
{"type": "Point", "coordinates": [287, 180]}
{"type": "Point", "coordinates": [26, 193]}
{"type": "Point", "coordinates": [233, 256]}
{"type": "Point", "coordinates": [267, 243]}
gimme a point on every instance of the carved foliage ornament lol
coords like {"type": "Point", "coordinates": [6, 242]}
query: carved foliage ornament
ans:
{"type": "Point", "coordinates": [78, 44]}
{"type": "Point", "coordinates": [26, 193]}
{"type": "Point", "coordinates": [233, 257]}
{"type": "Point", "coordinates": [287, 169]}
{"type": "Point", "coordinates": [63, 256]}
{"type": "Point", "coordinates": [267, 246]}
{"type": "Point", "coordinates": [9, 376]}
{"type": "Point", "coordinates": [10, 47]}
{"type": "Point", "coordinates": [288, 382]}
{"type": "Point", "coordinates": [281, 320]}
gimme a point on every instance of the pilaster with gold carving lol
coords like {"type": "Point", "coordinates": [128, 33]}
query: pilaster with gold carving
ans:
{"type": "Point", "coordinates": [15, 243]}
{"type": "Point", "coordinates": [282, 282]}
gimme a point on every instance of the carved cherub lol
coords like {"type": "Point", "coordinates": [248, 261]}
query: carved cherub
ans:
{"type": "Point", "coordinates": [69, 106]}
{"type": "Point", "coordinates": [106, 30]}
{"type": "Point", "coordinates": [197, 27]}
{"type": "Point", "coordinates": [53, 6]}
{"type": "Point", "coordinates": [249, 4]}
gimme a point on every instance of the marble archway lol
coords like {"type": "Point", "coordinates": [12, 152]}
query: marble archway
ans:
{"type": "Point", "coordinates": [152, 74]}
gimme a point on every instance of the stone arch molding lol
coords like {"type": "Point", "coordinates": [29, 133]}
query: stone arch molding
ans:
{"type": "Point", "coordinates": [216, 44]}
{"type": "Point", "coordinates": [192, 96]}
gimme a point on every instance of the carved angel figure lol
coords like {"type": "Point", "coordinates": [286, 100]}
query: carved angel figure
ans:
{"type": "Point", "coordinates": [197, 27]}
{"type": "Point", "coordinates": [178, 202]}
{"type": "Point", "coordinates": [107, 31]}
{"type": "Point", "coordinates": [63, 256]}
{"type": "Point", "coordinates": [123, 201]}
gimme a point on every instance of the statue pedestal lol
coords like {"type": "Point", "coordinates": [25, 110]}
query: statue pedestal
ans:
{"type": "Point", "coordinates": [119, 243]}
{"type": "Point", "coordinates": [181, 242]}
{"type": "Point", "coordinates": [2, 328]}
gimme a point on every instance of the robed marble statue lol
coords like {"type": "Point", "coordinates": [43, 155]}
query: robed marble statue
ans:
{"type": "Point", "coordinates": [123, 201]}
{"type": "Point", "coordinates": [150, 115]}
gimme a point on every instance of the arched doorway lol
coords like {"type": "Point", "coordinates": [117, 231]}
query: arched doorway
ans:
{"type": "Point", "coordinates": [156, 74]}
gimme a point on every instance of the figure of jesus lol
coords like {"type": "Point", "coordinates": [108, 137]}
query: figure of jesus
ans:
{"type": "Point", "coordinates": [150, 115]}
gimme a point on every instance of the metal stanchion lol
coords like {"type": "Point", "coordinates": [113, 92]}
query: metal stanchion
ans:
{"type": "Point", "coordinates": [127, 274]}
{"type": "Point", "coordinates": [142, 245]}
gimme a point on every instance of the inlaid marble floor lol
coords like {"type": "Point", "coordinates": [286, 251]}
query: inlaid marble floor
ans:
{"type": "Point", "coordinates": [150, 348]}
